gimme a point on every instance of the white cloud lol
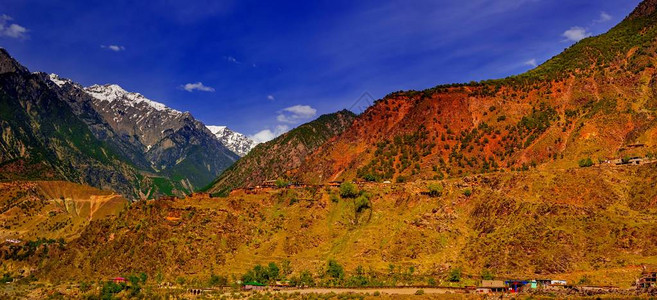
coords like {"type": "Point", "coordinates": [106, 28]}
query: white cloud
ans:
{"type": "Point", "coordinates": [271, 97]}
{"type": "Point", "coordinates": [115, 48]}
{"type": "Point", "coordinates": [532, 62]}
{"type": "Point", "coordinates": [12, 30]}
{"type": "Point", "coordinates": [268, 135]}
{"type": "Point", "coordinates": [604, 17]}
{"type": "Point", "coordinates": [576, 34]}
{"type": "Point", "coordinates": [296, 114]}
{"type": "Point", "coordinates": [190, 87]}
{"type": "Point", "coordinates": [232, 59]}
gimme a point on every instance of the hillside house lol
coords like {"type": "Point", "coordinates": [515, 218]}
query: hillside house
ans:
{"type": "Point", "coordinates": [119, 280]}
{"type": "Point", "coordinates": [491, 286]}
{"type": "Point", "coordinates": [516, 285]}
{"type": "Point", "coordinates": [635, 161]}
{"type": "Point", "coordinates": [558, 282]}
{"type": "Point", "coordinates": [254, 286]}
{"type": "Point", "coordinates": [268, 184]}
{"type": "Point", "coordinates": [648, 279]}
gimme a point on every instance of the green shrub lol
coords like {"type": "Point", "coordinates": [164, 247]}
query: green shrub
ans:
{"type": "Point", "coordinates": [6, 278]}
{"type": "Point", "coordinates": [371, 177]}
{"type": "Point", "coordinates": [262, 274]}
{"type": "Point", "coordinates": [216, 280]}
{"type": "Point", "coordinates": [419, 292]}
{"type": "Point", "coordinates": [362, 202]}
{"type": "Point", "coordinates": [348, 190]}
{"type": "Point", "coordinates": [435, 189]}
{"type": "Point", "coordinates": [280, 183]}
{"type": "Point", "coordinates": [306, 279]}
{"type": "Point", "coordinates": [487, 275]}
{"type": "Point", "coordinates": [454, 275]}
{"type": "Point", "coordinates": [335, 270]}
{"type": "Point", "coordinates": [467, 192]}
{"type": "Point", "coordinates": [334, 198]}
{"type": "Point", "coordinates": [431, 282]}
{"type": "Point", "coordinates": [585, 163]}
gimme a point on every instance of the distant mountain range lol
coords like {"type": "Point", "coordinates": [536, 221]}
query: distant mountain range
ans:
{"type": "Point", "coordinates": [73, 133]}
{"type": "Point", "coordinates": [235, 141]}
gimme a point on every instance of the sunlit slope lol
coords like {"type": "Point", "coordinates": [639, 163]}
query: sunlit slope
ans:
{"type": "Point", "coordinates": [52, 209]}
{"type": "Point", "coordinates": [596, 221]}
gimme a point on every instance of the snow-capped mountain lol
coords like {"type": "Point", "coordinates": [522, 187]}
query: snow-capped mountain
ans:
{"type": "Point", "coordinates": [235, 141]}
{"type": "Point", "coordinates": [160, 139]}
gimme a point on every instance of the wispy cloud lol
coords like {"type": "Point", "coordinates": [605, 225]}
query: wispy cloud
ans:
{"type": "Point", "coordinates": [296, 114]}
{"type": "Point", "coordinates": [532, 62]}
{"type": "Point", "coordinates": [12, 30]}
{"type": "Point", "coordinates": [232, 59]}
{"type": "Point", "coordinates": [576, 34]}
{"type": "Point", "coordinates": [267, 135]}
{"type": "Point", "coordinates": [604, 17]}
{"type": "Point", "coordinates": [115, 48]}
{"type": "Point", "coordinates": [271, 97]}
{"type": "Point", "coordinates": [190, 87]}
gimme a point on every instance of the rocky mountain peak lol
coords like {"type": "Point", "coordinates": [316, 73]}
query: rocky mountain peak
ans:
{"type": "Point", "coordinates": [235, 141]}
{"type": "Point", "coordinates": [9, 65]}
{"type": "Point", "coordinates": [59, 81]}
{"type": "Point", "coordinates": [645, 9]}
{"type": "Point", "coordinates": [114, 92]}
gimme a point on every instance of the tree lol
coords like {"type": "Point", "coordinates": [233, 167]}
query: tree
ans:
{"type": "Point", "coordinates": [487, 275]}
{"type": "Point", "coordinates": [216, 280]}
{"type": "Point", "coordinates": [362, 202]}
{"type": "Point", "coordinates": [454, 275]}
{"type": "Point", "coordinates": [143, 277]}
{"type": "Point", "coordinates": [273, 272]}
{"type": "Point", "coordinates": [335, 270]}
{"type": "Point", "coordinates": [306, 279]}
{"type": "Point", "coordinates": [348, 190]}
{"type": "Point", "coordinates": [467, 192]}
{"type": "Point", "coordinates": [585, 163]}
{"type": "Point", "coordinates": [286, 268]}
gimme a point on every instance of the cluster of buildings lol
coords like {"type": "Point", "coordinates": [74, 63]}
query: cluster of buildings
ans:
{"type": "Point", "coordinates": [515, 286]}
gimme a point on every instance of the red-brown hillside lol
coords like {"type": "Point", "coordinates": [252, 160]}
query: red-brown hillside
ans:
{"type": "Point", "coordinates": [592, 101]}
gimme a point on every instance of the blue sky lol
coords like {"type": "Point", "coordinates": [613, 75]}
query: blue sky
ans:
{"type": "Point", "coordinates": [262, 67]}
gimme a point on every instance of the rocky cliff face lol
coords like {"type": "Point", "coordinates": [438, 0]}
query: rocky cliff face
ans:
{"type": "Point", "coordinates": [234, 141]}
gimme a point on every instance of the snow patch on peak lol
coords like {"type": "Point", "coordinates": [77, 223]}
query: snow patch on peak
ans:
{"type": "Point", "coordinates": [113, 92]}
{"type": "Point", "coordinates": [58, 80]}
{"type": "Point", "coordinates": [234, 141]}
{"type": "Point", "coordinates": [217, 130]}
